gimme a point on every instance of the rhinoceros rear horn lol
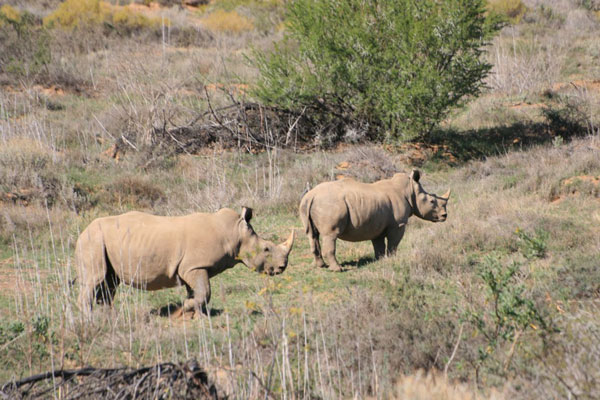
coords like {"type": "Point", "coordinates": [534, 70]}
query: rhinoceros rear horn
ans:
{"type": "Point", "coordinates": [289, 243]}
{"type": "Point", "coordinates": [415, 175]}
{"type": "Point", "coordinates": [446, 195]}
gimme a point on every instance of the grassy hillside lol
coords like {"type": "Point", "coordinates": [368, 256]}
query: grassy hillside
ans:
{"type": "Point", "coordinates": [501, 299]}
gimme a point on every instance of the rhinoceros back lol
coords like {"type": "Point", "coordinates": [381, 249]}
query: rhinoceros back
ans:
{"type": "Point", "coordinates": [357, 210]}
{"type": "Point", "coordinates": [144, 250]}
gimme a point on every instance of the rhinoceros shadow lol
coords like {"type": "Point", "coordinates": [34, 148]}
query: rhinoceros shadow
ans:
{"type": "Point", "coordinates": [361, 262]}
{"type": "Point", "coordinates": [171, 308]}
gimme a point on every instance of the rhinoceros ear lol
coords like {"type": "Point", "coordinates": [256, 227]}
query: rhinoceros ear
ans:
{"type": "Point", "coordinates": [246, 214]}
{"type": "Point", "coordinates": [415, 175]}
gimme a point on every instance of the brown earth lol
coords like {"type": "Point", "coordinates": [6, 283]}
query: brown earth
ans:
{"type": "Point", "coordinates": [22, 280]}
{"type": "Point", "coordinates": [578, 84]}
{"type": "Point", "coordinates": [593, 180]}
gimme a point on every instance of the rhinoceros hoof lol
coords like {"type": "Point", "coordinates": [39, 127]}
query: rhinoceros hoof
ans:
{"type": "Point", "coordinates": [179, 314]}
{"type": "Point", "coordinates": [335, 268]}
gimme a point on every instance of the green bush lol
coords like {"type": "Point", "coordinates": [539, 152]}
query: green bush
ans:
{"type": "Point", "coordinates": [507, 313]}
{"type": "Point", "coordinates": [396, 66]}
{"type": "Point", "coordinates": [533, 245]}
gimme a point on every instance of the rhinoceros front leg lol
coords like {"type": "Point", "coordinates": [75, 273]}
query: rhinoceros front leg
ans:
{"type": "Point", "coordinates": [379, 246]}
{"type": "Point", "coordinates": [394, 236]}
{"type": "Point", "coordinates": [199, 295]}
{"type": "Point", "coordinates": [329, 252]}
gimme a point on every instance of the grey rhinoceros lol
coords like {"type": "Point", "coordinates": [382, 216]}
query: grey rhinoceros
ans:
{"type": "Point", "coordinates": [354, 211]}
{"type": "Point", "coordinates": [153, 252]}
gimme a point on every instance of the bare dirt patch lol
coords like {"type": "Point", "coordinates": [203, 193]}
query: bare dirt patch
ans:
{"type": "Point", "coordinates": [578, 84]}
{"type": "Point", "coordinates": [594, 180]}
{"type": "Point", "coordinates": [526, 106]}
{"type": "Point", "coordinates": [23, 280]}
{"type": "Point", "coordinates": [575, 185]}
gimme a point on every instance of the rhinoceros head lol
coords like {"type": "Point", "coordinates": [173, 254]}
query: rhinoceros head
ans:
{"type": "Point", "coordinates": [259, 254]}
{"type": "Point", "coordinates": [428, 206]}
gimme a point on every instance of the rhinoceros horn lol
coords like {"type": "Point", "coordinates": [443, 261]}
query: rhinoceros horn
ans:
{"type": "Point", "coordinates": [289, 243]}
{"type": "Point", "coordinates": [446, 195]}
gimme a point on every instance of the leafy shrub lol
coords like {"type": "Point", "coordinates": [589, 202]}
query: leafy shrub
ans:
{"type": "Point", "coordinates": [512, 10]}
{"type": "Point", "coordinates": [400, 78]}
{"type": "Point", "coordinates": [507, 313]}
{"type": "Point", "coordinates": [227, 21]}
{"type": "Point", "coordinates": [533, 245]}
{"type": "Point", "coordinates": [25, 44]}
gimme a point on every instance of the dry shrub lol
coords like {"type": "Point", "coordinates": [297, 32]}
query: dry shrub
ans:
{"type": "Point", "coordinates": [511, 9]}
{"type": "Point", "coordinates": [28, 172]}
{"type": "Point", "coordinates": [16, 220]}
{"type": "Point", "coordinates": [227, 21]}
{"type": "Point", "coordinates": [572, 367]}
{"type": "Point", "coordinates": [554, 41]}
{"type": "Point", "coordinates": [524, 65]}
{"type": "Point", "coordinates": [9, 14]}
{"type": "Point", "coordinates": [83, 14]}
{"type": "Point", "coordinates": [75, 13]}
{"type": "Point", "coordinates": [368, 164]}
{"type": "Point", "coordinates": [182, 381]}
{"type": "Point", "coordinates": [135, 191]}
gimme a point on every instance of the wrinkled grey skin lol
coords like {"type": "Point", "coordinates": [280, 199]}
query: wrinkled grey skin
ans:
{"type": "Point", "coordinates": [354, 211]}
{"type": "Point", "coordinates": [153, 252]}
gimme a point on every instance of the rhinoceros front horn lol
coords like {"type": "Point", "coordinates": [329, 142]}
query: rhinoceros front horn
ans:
{"type": "Point", "coordinates": [289, 243]}
{"type": "Point", "coordinates": [446, 195]}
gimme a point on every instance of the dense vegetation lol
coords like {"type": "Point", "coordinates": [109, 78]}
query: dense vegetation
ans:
{"type": "Point", "coordinates": [391, 68]}
{"type": "Point", "coordinates": [499, 301]}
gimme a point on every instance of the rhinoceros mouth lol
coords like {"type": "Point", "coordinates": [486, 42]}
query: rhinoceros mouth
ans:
{"type": "Point", "coordinates": [275, 271]}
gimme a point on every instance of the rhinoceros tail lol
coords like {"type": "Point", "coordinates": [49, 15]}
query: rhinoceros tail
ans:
{"type": "Point", "coordinates": [305, 206]}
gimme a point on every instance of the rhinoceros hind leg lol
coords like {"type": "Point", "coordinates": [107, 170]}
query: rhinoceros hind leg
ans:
{"type": "Point", "coordinates": [315, 248]}
{"type": "Point", "coordinates": [329, 252]}
{"type": "Point", "coordinates": [105, 291]}
{"type": "Point", "coordinates": [91, 268]}
{"type": "Point", "coordinates": [199, 295]}
{"type": "Point", "coordinates": [86, 296]}
{"type": "Point", "coordinates": [379, 246]}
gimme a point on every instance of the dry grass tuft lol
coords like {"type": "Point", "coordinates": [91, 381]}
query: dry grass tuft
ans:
{"type": "Point", "coordinates": [434, 386]}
